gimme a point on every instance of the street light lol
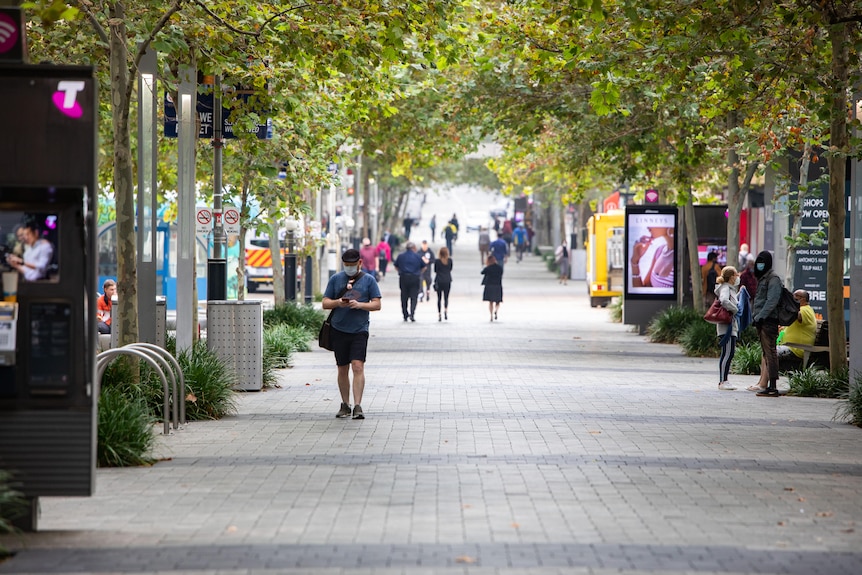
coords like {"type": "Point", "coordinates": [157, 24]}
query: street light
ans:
{"type": "Point", "coordinates": [291, 225]}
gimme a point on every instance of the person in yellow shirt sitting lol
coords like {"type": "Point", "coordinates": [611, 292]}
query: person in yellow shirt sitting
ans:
{"type": "Point", "coordinates": [803, 331]}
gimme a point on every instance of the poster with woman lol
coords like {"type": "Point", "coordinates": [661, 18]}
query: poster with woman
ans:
{"type": "Point", "coordinates": [651, 251]}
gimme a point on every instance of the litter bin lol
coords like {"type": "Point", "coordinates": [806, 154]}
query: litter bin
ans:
{"type": "Point", "coordinates": [235, 334]}
{"type": "Point", "coordinates": [161, 322]}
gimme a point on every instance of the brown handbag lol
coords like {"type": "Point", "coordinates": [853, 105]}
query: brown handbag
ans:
{"type": "Point", "coordinates": [717, 313]}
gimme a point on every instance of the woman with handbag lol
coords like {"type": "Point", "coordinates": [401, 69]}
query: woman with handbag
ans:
{"type": "Point", "coordinates": [727, 296]}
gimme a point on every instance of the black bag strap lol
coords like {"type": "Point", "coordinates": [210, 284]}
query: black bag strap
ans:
{"type": "Point", "coordinates": [348, 286]}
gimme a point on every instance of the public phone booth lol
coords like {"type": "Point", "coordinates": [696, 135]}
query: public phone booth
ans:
{"type": "Point", "coordinates": [48, 390]}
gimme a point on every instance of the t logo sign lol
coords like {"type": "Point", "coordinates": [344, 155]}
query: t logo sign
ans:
{"type": "Point", "coordinates": [11, 35]}
{"type": "Point", "coordinates": [66, 98]}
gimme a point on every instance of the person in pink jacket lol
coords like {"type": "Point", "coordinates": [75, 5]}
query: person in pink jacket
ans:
{"type": "Point", "coordinates": [384, 256]}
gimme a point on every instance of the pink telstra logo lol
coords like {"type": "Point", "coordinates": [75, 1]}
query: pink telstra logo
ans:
{"type": "Point", "coordinates": [66, 98]}
{"type": "Point", "coordinates": [8, 33]}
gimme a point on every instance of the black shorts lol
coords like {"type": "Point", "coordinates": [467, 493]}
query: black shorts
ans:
{"type": "Point", "coordinates": [349, 346]}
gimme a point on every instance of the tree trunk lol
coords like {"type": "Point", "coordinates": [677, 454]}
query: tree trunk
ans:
{"type": "Point", "coordinates": [837, 166]}
{"type": "Point", "coordinates": [243, 230]}
{"type": "Point", "coordinates": [734, 202]}
{"type": "Point", "coordinates": [278, 278]}
{"type": "Point", "coordinates": [693, 262]}
{"type": "Point", "coordinates": [127, 282]}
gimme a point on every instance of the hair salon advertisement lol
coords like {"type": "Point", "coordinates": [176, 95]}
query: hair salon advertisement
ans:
{"type": "Point", "coordinates": [651, 253]}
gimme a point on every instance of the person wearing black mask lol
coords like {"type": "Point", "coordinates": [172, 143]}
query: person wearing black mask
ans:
{"type": "Point", "coordinates": [765, 318]}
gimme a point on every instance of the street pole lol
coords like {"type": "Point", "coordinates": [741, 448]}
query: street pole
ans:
{"type": "Point", "coordinates": [217, 264]}
{"type": "Point", "coordinates": [290, 261]}
{"type": "Point", "coordinates": [147, 217]}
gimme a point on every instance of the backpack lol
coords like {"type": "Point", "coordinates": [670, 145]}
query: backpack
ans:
{"type": "Point", "coordinates": [788, 307]}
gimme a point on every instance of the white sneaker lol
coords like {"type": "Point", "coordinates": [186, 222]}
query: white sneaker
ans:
{"type": "Point", "coordinates": [726, 386]}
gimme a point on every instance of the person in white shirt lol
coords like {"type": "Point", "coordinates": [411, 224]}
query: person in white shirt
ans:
{"type": "Point", "coordinates": [38, 252]}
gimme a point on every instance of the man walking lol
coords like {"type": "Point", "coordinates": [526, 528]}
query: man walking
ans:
{"type": "Point", "coordinates": [351, 295]}
{"type": "Point", "coordinates": [410, 266]}
{"type": "Point", "coordinates": [427, 255]}
{"type": "Point", "coordinates": [500, 249]}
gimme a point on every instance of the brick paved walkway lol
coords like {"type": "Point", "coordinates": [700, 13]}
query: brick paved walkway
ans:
{"type": "Point", "coordinates": [552, 441]}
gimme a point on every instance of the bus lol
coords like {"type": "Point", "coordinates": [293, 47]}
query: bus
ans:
{"type": "Point", "coordinates": [605, 257]}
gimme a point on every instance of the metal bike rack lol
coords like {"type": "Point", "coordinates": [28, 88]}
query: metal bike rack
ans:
{"type": "Point", "coordinates": [104, 358]}
{"type": "Point", "coordinates": [178, 374]}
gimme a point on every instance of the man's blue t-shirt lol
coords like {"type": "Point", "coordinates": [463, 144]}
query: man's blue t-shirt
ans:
{"type": "Point", "coordinates": [499, 249]}
{"type": "Point", "coordinates": [364, 290]}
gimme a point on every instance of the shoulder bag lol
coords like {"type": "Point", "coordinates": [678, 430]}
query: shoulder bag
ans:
{"type": "Point", "coordinates": [717, 313]}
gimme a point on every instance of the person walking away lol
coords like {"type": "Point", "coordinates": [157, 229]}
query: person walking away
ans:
{"type": "Point", "coordinates": [408, 225]}
{"type": "Point", "coordinates": [493, 282]}
{"type": "Point", "coordinates": [103, 306]}
{"type": "Point", "coordinates": [765, 319]}
{"type": "Point", "coordinates": [449, 233]}
{"type": "Point", "coordinates": [727, 292]}
{"type": "Point", "coordinates": [384, 256]}
{"type": "Point", "coordinates": [410, 266]}
{"type": "Point", "coordinates": [454, 222]}
{"type": "Point", "coordinates": [709, 273]}
{"type": "Point", "coordinates": [443, 281]}
{"type": "Point", "coordinates": [743, 257]}
{"type": "Point", "coordinates": [519, 238]}
{"type": "Point", "coordinates": [507, 234]}
{"type": "Point", "coordinates": [484, 244]}
{"type": "Point", "coordinates": [425, 280]}
{"type": "Point", "coordinates": [561, 256]}
{"type": "Point", "coordinates": [500, 249]}
{"type": "Point", "coordinates": [433, 225]}
{"type": "Point", "coordinates": [351, 295]}
{"type": "Point", "coordinates": [368, 257]}
{"type": "Point", "coordinates": [746, 276]}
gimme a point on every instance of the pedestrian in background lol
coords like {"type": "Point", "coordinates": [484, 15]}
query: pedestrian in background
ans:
{"type": "Point", "coordinates": [484, 244]}
{"type": "Point", "coordinates": [500, 250]}
{"type": "Point", "coordinates": [519, 238]}
{"type": "Point", "coordinates": [561, 257]}
{"type": "Point", "coordinates": [433, 225]}
{"type": "Point", "coordinates": [427, 255]}
{"type": "Point", "coordinates": [450, 232]}
{"type": "Point", "coordinates": [103, 306]}
{"type": "Point", "coordinates": [727, 292]}
{"type": "Point", "coordinates": [409, 265]}
{"type": "Point", "coordinates": [443, 281]}
{"type": "Point", "coordinates": [493, 282]}
{"type": "Point", "coordinates": [709, 273]}
{"type": "Point", "coordinates": [384, 256]}
{"type": "Point", "coordinates": [351, 295]}
{"type": "Point", "coordinates": [368, 256]}
{"type": "Point", "coordinates": [746, 276]}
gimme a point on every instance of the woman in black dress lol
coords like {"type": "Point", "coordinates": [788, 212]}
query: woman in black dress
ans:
{"type": "Point", "coordinates": [493, 282]}
{"type": "Point", "coordinates": [443, 281]}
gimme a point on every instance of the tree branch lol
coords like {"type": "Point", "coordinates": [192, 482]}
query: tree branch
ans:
{"type": "Point", "coordinates": [255, 34]}
{"type": "Point", "coordinates": [142, 47]}
{"type": "Point", "coordinates": [100, 31]}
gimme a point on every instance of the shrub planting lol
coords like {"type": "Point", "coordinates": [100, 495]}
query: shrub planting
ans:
{"type": "Point", "coordinates": [294, 314]}
{"type": "Point", "coordinates": [698, 339]}
{"type": "Point", "coordinates": [125, 434]}
{"type": "Point", "coordinates": [850, 407]}
{"type": "Point", "coordinates": [746, 360]}
{"type": "Point", "coordinates": [668, 326]}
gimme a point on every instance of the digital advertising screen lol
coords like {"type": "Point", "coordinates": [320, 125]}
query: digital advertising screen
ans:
{"type": "Point", "coordinates": [651, 257]}
{"type": "Point", "coordinates": [28, 244]}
